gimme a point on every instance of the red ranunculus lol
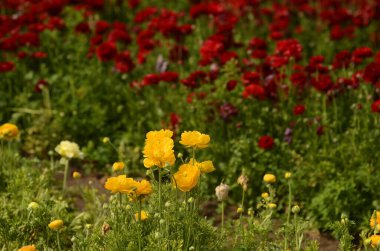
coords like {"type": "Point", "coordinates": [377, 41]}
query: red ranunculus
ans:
{"type": "Point", "coordinates": [375, 107]}
{"type": "Point", "coordinates": [6, 66]}
{"type": "Point", "coordinates": [298, 110]}
{"type": "Point", "coordinates": [106, 51]}
{"type": "Point", "coordinates": [266, 142]}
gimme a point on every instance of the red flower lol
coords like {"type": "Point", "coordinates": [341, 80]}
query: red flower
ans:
{"type": "Point", "coordinates": [6, 66]}
{"type": "Point", "coordinates": [175, 119]}
{"type": "Point", "coordinates": [39, 85]}
{"type": "Point", "coordinates": [101, 27]}
{"type": "Point", "coordinates": [266, 142]}
{"type": "Point", "coordinates": [82, 27]}
{"type": "Point", "coordinates": [169, 76]}
{"type": "Point", "coordinates": [298, 110]}
{"type": "Point", "coordinates": [231, 85]}
{"type": "Point", "coordinates": [254, 90]}
{"type": "Point", "coordinates": [372, 73]}
{"type": "Point", "coordinates": [106, 51]}
{"type": "Point", "coordinates": [375, 107]}
{"type": "Point", "coordinates": [123, 62]}
{"type": "Point", "coordinates": [150, 79]}
{"type": "Point", "coordinates": [39, 55]}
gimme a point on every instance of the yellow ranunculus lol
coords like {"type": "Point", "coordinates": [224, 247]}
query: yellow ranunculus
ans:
{"type": "Point", "coordinates": [158, 150]}
{"type": "Point", "coordinates": [77, 175]}
{"type": "Point", "coordinates": [28, 248]}
{"type": "Point", "coordinates": [187, 177]}
{"type": "Point", "coordinates": [372, 220]}
{"type": "Point", "coordinates": [120, 184]}
{"type": "Point", "coordinates": [269, 178]}
{"type": "Point", "coordinates": [375, 241]}
{"type": "Point", "coordinates": [144, 215]}
{"type": "Point", "coordinates": [204, 166]}
{"type": "Point", "coordinates": [8, 131]}
{"type": "Point", "coordinates": [143, 188]}
{"type": "Point", "coordinates": [56, 224]}
{"type": "Point", "coordinates": [68, 150]}
{"type": "Point", "coordinates": [195, 139]}
{"type": "Point", "coordinates": [118, 166]}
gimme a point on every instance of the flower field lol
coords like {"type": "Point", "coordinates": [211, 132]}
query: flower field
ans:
{"type": "Point", "coordinates": [189, 125]}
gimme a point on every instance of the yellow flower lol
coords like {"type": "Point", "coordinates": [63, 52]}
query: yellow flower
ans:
{"type": "Point", "coordinates": [144, 215]}
{"type": "Point", "coordinates": [288, 175]}
{"type": "Point", "coordinates": [33, 205]}
{"type": "Point", "coordinates": [118, 166]}
{"type": "Point", "coordinates": [143, 188]}
{"type": "Point", "coordinates": [372, 220]}
{"type": "Point", "coordinates": [28, 248]}
{"type": "Point", "coordinates": [158, 150]}
{"type": "Point", "coordinates": [68, 150]}
{"type": "Point", "coordinates": [195, 139]}
{"type": "Point", "coordinates": [77, 175]}
{"type": "Point", "coordinates": [187, 177]}
{"type": "Point", "coordinates": [106, 140]}
{"type": "Point", "coordinates": [120, 184]}
{"type": "Point", "coordinates": [240, 210]}
{"type": "Point", "coordinates": [204, 166]}
{"type": "Point", "coordinates": [375, 240]}
{"type": "Point", "coordinates": [56, 224]}
{"type": "Point", "coordinates": [272, 205]}
{"type": "Point", "coordinates": [269, 178]}
{"type": "Point", "coordinates": [9, 131]}
{"type": "Point", "coordinates": [265, 195]}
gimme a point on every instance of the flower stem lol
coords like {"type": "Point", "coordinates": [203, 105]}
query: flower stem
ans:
{"type": "Point", "coordinates": [59, 244]}
{"type": "Point", "coordinates": [65, 175]}
{"type": "Point", "coordinates": [140, 223]}
{"type": "Point", "coordinates": [159, 190]}
{"type": "Point", "coordinates": [222, 216]}
{"type": "Point", "coordinates": [288, 216]}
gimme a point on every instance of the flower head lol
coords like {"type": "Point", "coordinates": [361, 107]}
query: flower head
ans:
{"type": "Point", "coordinates": [221, 191]}
{"type": "Point", "coordinates": [77, 175]}
{"type": "Point", "coordinates": [204, 166]}
{"type": "Point", "coordinates": [195, 139]}
{"type": "Point", "coordinates": [118, 166]}
{"type": "Point", "coordinates": [372, 220]}
{"type": "Point", "coordinates": [375, 241]}
{"type": "Point", "coordinates": [269, 178]}
{"type": "Point", "coordinates": [266, 142]}
{"type": "Point", "coordinates": [33, 205]}
{"type": "Point", "coordinates": [243, 182]}
{"type": "Point", "coordinates": [68, 150]}
{"type": "Point", "coordinates": [187, 177]}
{"type": "Point", "coordinates": [28, 248]}
{"type": "Point", "coordinates": [158, 150]}
{"type": "Point", "coordinates": [143, 188]}
{"type": "Point", "coordinates": [120, 184]}
{"type": "Point", "coordinates": [144, 215]}
{"type": "Point", "coordinates": [56, 224]}
{"type": "Point", "coordinates": [9, 131]}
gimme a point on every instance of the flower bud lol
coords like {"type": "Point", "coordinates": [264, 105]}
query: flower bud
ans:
{"type": "Point", "coordinates": [167, 204]}
{"type": "Point", "coordinates": [269, 178]}
{"type": "Point", "coordinates": [106, 140]}
{"type": "Point", "coordinates": [240, 210]}
{"type": "Point", "coordinates": [265, 195]}
{"type": "Point", "coordinates": [295, 209]}
{"type": "Point", "coordinates": [250, 211]}
{"type": "Point", "coordinates": [179, 155]}
{"type": "Point", "coordinates": [56, 224]}
{"type": "Point", "coordinates": [190, 200]}
{"type": "Point", "coordinates": [162, 221]}
{"type": "Point", "coordinates": [33, 205]}
{"type": "Point", "coordinates": [243, 181]}
{"type": "Point", "coordinates": [128, 207]}
{"type": "Point", "coordinates": [272, 205]}
{"type": "Point", "coordinates": [221, 191]}
{"type": "Point", "coordinates": [118, 166]}
{"type": "Point", "coordinates": [77, 175]}
{"type": "Point", "coordinates": [288, 175]}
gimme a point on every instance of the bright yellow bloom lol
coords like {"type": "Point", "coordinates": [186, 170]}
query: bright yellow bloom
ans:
{"type": "Point", "coordinates": [269, 178]}
{"type": "Point", "coordinates": [143, 188]}
{"type": "Point", "coordinates": [158, 150]}
{"type": "Point", "coordinates": [240, 210]}
{"type": "Point", "coordinates": [204, 166]}
{"type": "Point", "coordinates": [372, 220]}
{"type": "Point", "coordinates": [265, 195]}
{"type": "Point", "coordinates": [288, 175]}
{"type": "Point", "coordinates": [187, 177]}
{"type": "Point", "coordinates": [28, 248]}
{"type": "Point", "coordinates": [144, 215]}
{"type": "Point", "coordinates": [118, 166]}
{"type": "Point", "coordinates": [55, 224]}
{"type": "Point", "coordinates": [9, 131]}
{"type": "Point", "coordinates": [375, 240]}
{"type": "Point", "coordinates": [106, 140]}
{"type": "Point", "coordinates": [77, 175]}
{"type": "Point", "coordinates": [272, 205]}
{"type": "Point", "coordinates": [195, 139]}
{"type": "Point", "coordinates": [120, 184]}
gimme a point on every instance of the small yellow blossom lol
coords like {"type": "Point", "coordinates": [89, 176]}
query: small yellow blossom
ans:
{"type": "Point", "coordinates": [195, 139]}
{"type": "Point", "coordinates": [56, 224]}
{"type": "Point", "coordinates": [375, 241]}
{"type": "Point", "coordinates": [288, 175]}
{"type": "Point", "coordinates": [28, 248]}
{"type": "Point", "coordinates": [9, 131]}
{"type": "Point", "coordinates": [272, 205]}
{"type": "Point", "coordinates": [77, 175]}
{"type": "Point", "coordinates": [68, 150]}
{"type": "Point", "coordinates": [118, 166]}
{"type": "Point", "coordinates": [240, 210]}
{"type": "Point", "coordinates": [120, 184]}
{"type": "Point", "coordinates": [265, 195]}
{"type": "Point", "coordinates": [33, 205]}
{"type": "Point", "coordinates": [144, 215]}
{"type": "Point", "coordinates": [106, 140]}
{"type": "Point", "coordinates": [372, 220]}
{"type": "Point", "coordinates": [204, 166]}
{"type": "Point", "coordinates": [269, 178]}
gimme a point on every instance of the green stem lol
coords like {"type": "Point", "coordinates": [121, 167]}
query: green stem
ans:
{"type": "Point", "coordinates": [159, 190]}
{"type": "Point", "coordinates": [59, 244]}
{"type": "Point", "coordinates": [65, 174]}
{"type": "Point", "coordinates": [288, 217]}
{"type": "Point", "coordinates": [140, 223]}
{"type": "Point", "coordinates": [222, 216]}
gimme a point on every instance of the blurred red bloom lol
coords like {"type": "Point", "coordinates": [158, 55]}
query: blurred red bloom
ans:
{"type": "Point", "coordinates": [231, 85]}
{"type": "Point", "coordinates": [372, 72]}
{"type": "Point", "coordinates": [266, 142]}
{"type": "Point", "coordinates": [254, 90]}
{"type": "Point", "coordinates": [6, 66]}
{"type": "Point", "coordinates": [375, 107]}
{"type": "Point", "coordinates": [106, 51]}
{"type": "Point", "coordinates": [299, 110]}
{"type": "Point", "coordinates": [123, 62]}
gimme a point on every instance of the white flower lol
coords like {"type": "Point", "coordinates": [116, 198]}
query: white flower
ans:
{"type": "Point", "coordinates": [221, 191]}
{"type": "Point", "coordinates": [69, 150]}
